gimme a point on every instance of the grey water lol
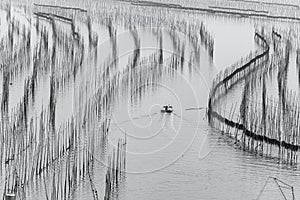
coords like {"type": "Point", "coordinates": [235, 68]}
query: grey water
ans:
{"type": "Point", "coordinates": [177, 155]}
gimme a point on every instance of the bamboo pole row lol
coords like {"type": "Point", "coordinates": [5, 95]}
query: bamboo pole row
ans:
{"type": "Point", "coordinates": [153, 19]}
{"type": "Point", "coordinates": [268, 128]}
{"type": "Point", "coordinates": [32, 146]}
{"type": "Point", "coordinates": [115, 169]}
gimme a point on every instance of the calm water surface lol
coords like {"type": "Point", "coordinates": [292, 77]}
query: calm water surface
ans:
{"type": "Point", "coordinates": [178, 155]}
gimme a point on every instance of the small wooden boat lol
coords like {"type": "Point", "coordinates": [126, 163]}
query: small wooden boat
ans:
{"type": "Point", "coordinates": [167, 109]}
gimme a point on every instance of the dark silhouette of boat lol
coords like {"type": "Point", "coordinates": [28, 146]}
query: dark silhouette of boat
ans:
{"type": "Point", "coordinates": [167, 109]}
